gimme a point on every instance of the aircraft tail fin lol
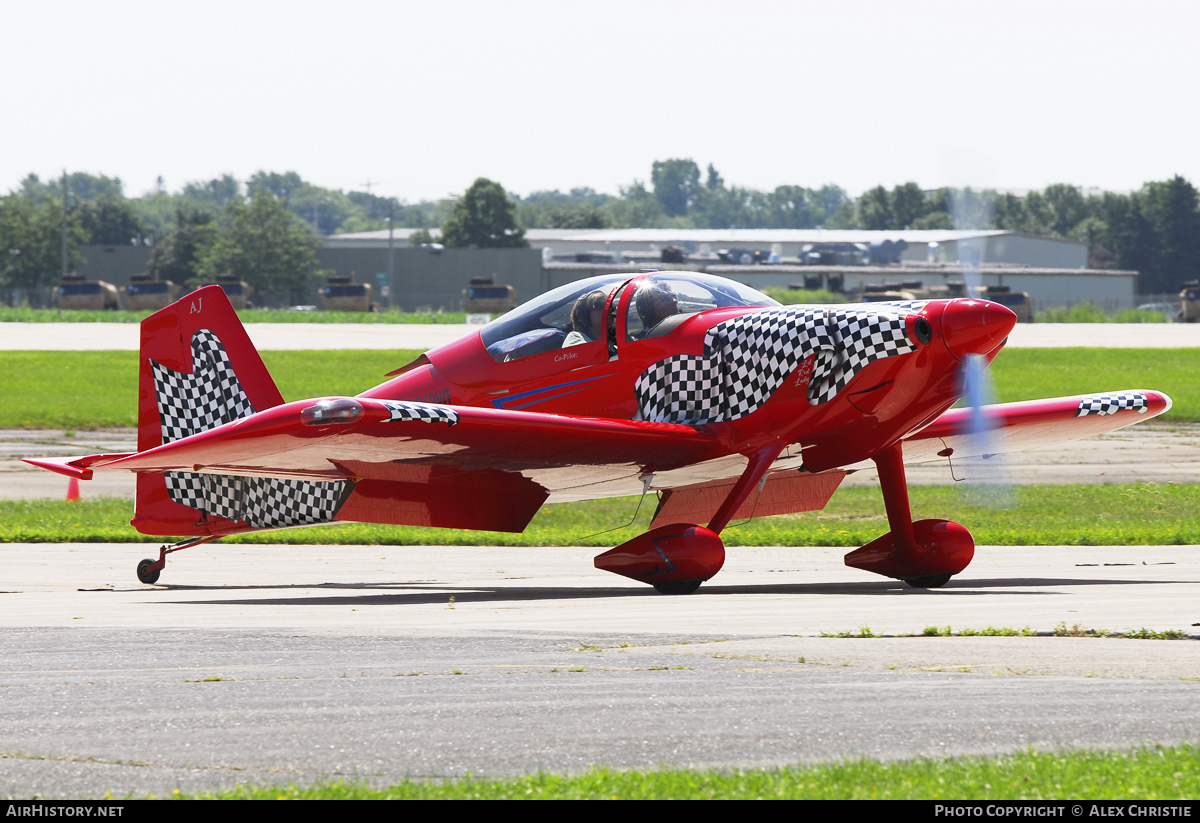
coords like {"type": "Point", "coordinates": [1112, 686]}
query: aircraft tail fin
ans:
{"type": "Point", "coordinates": [197, 370]}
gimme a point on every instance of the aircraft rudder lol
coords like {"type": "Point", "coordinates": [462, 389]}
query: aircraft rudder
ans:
{"type": "Point", "coordinates": [197, 369]}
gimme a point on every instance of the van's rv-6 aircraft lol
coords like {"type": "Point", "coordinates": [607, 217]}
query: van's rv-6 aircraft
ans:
{"type": "Point", "coordinates": [706, 391]}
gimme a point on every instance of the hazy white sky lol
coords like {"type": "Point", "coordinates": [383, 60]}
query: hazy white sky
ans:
{"type": "Point", "coordinates": [422, 98]}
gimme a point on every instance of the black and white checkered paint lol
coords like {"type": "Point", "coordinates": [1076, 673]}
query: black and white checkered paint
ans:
{"type": "Point", "coordinates": [425, 412]}
{"type": "Point", "coordinates": [1105, 404]}
{"type": "Point", "coordinates": [262, 502]}
{"type": "Point", "coordinates": [746, 360]}
{"type": "Point", "coordinates": [209, 397]}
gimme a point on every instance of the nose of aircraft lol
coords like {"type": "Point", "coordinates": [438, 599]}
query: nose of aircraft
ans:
{"type": "Point", "coordinates": [973, 326]}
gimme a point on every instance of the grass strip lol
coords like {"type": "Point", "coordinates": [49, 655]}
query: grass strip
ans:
{"type": "Point", "coordinates": [1027, 374]}
{"type": "Point", "coordinates": [25, 315]}
{"type": "Point", "coordinates": [1158, 773]}
{"type": "Point", "coordinates": [98, 389]}
{"type": "Point", "coordinates": [1115, 515]}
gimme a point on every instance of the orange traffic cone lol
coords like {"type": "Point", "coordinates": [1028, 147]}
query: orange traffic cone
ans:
{"type": "Point", "coordinates": [72, 489]}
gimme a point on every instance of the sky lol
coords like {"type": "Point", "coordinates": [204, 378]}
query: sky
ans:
{"type": "Point", "coordinates": [419, 99]}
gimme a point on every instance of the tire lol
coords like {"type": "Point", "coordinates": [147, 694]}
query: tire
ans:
{"type": "Point", "coordinates": [146, 574]}
{"type": "Point", "coordinates": [686, 587]}
{"type": "Point", "coordinates": [933, 581]}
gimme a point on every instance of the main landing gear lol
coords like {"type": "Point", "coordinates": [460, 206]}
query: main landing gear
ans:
{"type": "Point", "coordinates": [676, 559]}
{"type": "Point", "coordinates": [148, 570]}
{"type": "Point", "coordinates": [924, 554]}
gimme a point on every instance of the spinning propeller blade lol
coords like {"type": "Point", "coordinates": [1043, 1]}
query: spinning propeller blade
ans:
{"type": "Point", "coordinates": [986, 478]}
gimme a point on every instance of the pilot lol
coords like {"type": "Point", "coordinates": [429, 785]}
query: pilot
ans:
{"type": "Point", "coordinates": [655, 302]}
{"type": "Point", "coordinates": [587, 319]}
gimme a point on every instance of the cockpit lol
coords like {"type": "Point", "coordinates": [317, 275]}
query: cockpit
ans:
{"type": "Point", "coordinates": [574, 314]}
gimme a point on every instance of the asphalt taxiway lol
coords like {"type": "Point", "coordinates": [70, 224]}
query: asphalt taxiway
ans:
{"type": "Point", "coordinates": [276, 664]}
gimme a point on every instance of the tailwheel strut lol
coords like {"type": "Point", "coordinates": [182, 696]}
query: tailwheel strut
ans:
{"type": "Point", "coordinates": [148, 570]}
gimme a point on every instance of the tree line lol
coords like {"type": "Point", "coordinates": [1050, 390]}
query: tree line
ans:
{"type": "Point", "coordinates": [267, 228]}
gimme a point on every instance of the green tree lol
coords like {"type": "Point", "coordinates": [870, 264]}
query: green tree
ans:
{"type": "Point", "coordinates": [576, 216]}
{"type": "Point", "coordinates": [676, 185]}
{"type": "Point", "coordinates": [176, 257]}
{"type": "Point", "coordinates": [908, 205]}
{"type": "Point", "coordinates": [1068, 208]}
{"type": "Point", "coordinates": [484, 217]}
{"type": "Point", "coordinates": [1130, 236]}
{"type": "Point", "coordinates": [1173, 209]}
{"type": "Point", "coordinates": [635, 208]}
{"type": "Point", "coordinates": [934, 220]}
{"type": "Point", "coordinates": [419, 237]}
{"type": "Point", "coordinates": [875, 210]}
{"type": "Point", "coordinates": [31, 244]}
{"type": "Point", "coordinates": [216, 192]}
{"type": "Point", "coordinates": [263, 243]}
{"type": "Point", "coordinates": [111, 221]}
{"type": "Point", "coordinates": [279, 185]}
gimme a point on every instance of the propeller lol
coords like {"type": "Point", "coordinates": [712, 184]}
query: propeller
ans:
{"type": "Point", "coordinates": [986, 479]}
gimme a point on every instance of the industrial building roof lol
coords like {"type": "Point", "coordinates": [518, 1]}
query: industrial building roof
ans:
{"type": "Point", "coordinates": [710, 236]}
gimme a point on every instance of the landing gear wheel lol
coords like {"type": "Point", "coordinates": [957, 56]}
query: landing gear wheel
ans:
{"type": "Point", "coordinates": [686, 587]}
{"type": "Point", "coordinates": [933, 581]}
{"type": "Point", "coordinates": [146, 573]}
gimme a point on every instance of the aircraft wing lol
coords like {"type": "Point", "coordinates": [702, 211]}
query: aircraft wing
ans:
{"type": "Point", "coordinates": [407, 463]}
{"type": "Point", "coordinates": [1028, 424]}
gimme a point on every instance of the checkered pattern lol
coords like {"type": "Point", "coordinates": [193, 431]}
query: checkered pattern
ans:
{"type": "Point", "coordinates": [262, 502]}
{"type": "Point", "coordinates": [746, 359]}
{"type": "Point", "coordinates": [864, 336]}
{"type": "Point", "coordinates": [425, 412]}
{"type": "Point", "coordinates": [209, 397]}
{"type": "Point", "coordinates": [1103, 404]}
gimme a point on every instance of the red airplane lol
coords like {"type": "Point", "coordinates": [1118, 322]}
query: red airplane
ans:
{"type": "Point", "coordinates": [704, 390]}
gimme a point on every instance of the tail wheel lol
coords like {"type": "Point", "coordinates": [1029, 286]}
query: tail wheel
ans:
{"type": "Point", "coordinates": [933, 581]}
{"type": "Point", "coordinates": [146, 571]}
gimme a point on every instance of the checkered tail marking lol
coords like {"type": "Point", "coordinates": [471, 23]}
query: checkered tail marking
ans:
{"type": "Point", "coordinates": [746, 359]}
{"type": "Point", "coordinates": [209, 397]}
{"type": "Point", "coordinates": [1104, 404]}
{"type": "Point", "coordinates": [425, 412]}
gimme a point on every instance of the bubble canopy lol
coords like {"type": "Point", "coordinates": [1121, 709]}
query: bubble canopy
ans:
{"type": "Point", "coordinates": [545, 322]}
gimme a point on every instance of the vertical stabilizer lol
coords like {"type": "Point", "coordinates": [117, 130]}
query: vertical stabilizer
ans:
{"type": "Point", "coordinates": [197, 370]}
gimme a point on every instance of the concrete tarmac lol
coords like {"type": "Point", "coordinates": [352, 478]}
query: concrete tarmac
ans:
{"type": "Point", "coordinates": [277, 664]}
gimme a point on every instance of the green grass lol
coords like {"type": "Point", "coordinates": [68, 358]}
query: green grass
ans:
{"type": "Point", "coordinates": [791, 297]}
{"type": "Point", "coordinates": [95, 390]}
{"type": "Point", "coordinates": [25, 315]}
{"type": "Point", "coordinates": [1130, 515]}
{"type": "Point", "coordinates": [98, 389]}
{"type": "Point", "coordinates": [1027, 374]}
{"type": "Point", "coordinates": [1091, 313]}
{"type": "Point", "coordinates": [1160, 773]}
